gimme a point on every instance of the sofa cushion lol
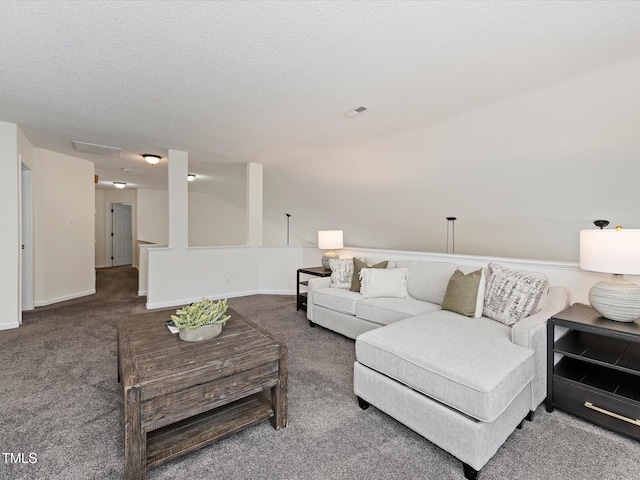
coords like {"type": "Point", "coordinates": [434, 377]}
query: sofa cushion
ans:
{"type": "Point", "coordinates": [511, 296]}
{"type": "Point", "coordinates": [383, 283]}
{"type": "Point", "coordinates": [465, 293]}
{"type": "Point", "coordinates": [388, 310]}
{"type": "Point", "coordinates": [337, 299]}
{"type": "Point", "coordinates": [428, 280]}
{"type": "Point", "coordinates": [468, 364]}
{"type": "Point", "coordinates": [359, 265]}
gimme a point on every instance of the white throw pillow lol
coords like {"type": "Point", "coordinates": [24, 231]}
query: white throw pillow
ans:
{"type": "Point", "coordinates": [341, 272]}
{"type": "Point", "coordinates": [391, 282]}
{"type": "Point", "coordinates": [511, 296]}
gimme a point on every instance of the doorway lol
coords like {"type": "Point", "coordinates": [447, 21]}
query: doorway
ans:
{"type": "Point", "coordinates": [121, 234]}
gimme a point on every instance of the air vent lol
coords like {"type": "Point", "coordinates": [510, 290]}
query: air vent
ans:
{"type": "Point", "coordinates": [96, 149]}
{"type": "Point", "coordinates": [356, 111]}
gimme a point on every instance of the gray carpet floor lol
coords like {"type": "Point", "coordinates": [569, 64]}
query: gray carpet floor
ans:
{"type": "Point", "coordinates": [60, 400]}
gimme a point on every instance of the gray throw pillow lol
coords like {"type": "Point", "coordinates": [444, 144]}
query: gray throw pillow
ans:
{"type": "Point", "coordinates": [462, 295]}
{"type": "Point", "coordinates": [359, 265]}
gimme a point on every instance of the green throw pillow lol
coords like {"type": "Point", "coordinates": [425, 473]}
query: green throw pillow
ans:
{"type": "Point", "coordinates": [463, 294]}
{"type": "Point", "coordinates": [359, 265]}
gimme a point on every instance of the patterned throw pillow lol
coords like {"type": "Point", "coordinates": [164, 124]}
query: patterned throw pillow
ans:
{"type": "Point", "coordinates": [341, 272]}
{"type": "Point", "coordinates": [390, 282]}
{"type": "Point", "coordinates": [510, 296]}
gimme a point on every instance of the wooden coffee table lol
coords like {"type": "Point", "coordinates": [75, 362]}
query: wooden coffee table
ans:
{"type": "Point", "coordinates": [180, 396]}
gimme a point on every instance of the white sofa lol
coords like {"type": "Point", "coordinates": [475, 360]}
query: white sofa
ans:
{"type": "Point", "coordinates": [463, 383]}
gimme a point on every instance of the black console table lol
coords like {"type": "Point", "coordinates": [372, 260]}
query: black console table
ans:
{"type": "Point", "coordinates": [598, 376]}
{"type": "Point", "coordinates": [301, 297]}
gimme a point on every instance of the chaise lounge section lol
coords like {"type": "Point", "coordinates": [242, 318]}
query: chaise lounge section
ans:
{"type": "Point", "coordinates": [461, 382]}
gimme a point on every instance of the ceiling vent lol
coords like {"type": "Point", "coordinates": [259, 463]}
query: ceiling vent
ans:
{"type": "Point", "coordinates": [356, 111]}
{"type": "Point", "coordinates": [96, 149]}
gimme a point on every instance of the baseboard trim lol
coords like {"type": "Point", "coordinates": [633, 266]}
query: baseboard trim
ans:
{"type": "Point", "coordinates": [186, 301]}
{"type": "Point", "coordinates": [44, 303]}
{"type": "Point", "coordinates": [277, 292]}
{"type": "Point", "coordinates": [9, 325]}
{"type": "Point", "coordinates": [142, 293]}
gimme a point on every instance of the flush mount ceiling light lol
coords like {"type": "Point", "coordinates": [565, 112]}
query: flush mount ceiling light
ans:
{"type": "Point", "coordinates": [191, 177]}
{"type": "Point", "coordinates": [96, 149]}
{"type": "Point", "coordinates": [151, 159]}
{"type": "Point", "coordinates": [120, 184]}
{"type": "Point", "coordinates": [355, 111]}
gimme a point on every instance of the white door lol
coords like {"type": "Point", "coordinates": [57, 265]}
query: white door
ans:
{"type": "Point", "coordinates": [121, 234]}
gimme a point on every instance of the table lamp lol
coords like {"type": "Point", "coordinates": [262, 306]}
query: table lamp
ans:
{"type": "Point", "coordinates": [616, 252]}
{"type": "Point", "coordinates": [328, 240]}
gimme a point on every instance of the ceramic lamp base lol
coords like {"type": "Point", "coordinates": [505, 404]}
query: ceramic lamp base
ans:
{"type": "Point", "coordinates": [328, 256]}
{"type": "Point", "coordinates": [616, 299]}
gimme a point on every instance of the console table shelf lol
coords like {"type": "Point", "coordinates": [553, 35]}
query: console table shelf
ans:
{"type": "Point", "coordinates": [301, 296]}
{"type": "Point", "coordinates": [176, 439]}
{"type": "Point", "coordinates": [598, 373]}
{"type": "Point", "coordinates": [610, 352]}
{"type": "Point", "coordinates": [599, 377]}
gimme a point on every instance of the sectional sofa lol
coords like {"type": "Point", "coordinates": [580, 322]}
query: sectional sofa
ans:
{"type": "Point", "coordinates": [455, 353]}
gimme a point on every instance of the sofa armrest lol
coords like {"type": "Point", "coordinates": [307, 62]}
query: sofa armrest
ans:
{"type": "Point", "coordinates": [315, 284]}
{"type": "Point", "coordinates": [531, 332]}
{"type": "Point", "coordinates": [522, 332]}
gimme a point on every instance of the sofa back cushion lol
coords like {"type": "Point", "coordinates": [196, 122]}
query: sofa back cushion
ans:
{"type": "Point", "coordinates": [427, 281]}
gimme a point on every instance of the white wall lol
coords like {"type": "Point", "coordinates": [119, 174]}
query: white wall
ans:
{"type": "Point", "coordinates": [274, 232]}
{"type": "Point", "coordinates": [64, 224]}
{"type": "Point", "coordinates": [178, 274]}
{"type": "Point", "coordinates": [10, 315]}
{"type": "Point", "coordinates": [25, 150]}
{"type": "Point", "coordinates": [219, 272]}
{"type": "Point", "coordinates": [214, 222]}
{"type": "Point", "coordinates": [179, 277]}
{"type": "Point", "coordinates": [153, 216]}
{"type": "Point", "coordinates": [237, 271]}
{"type": "Point", "coordinates": [278, 266]}
{"type": "Point", "coordinates": [523, 175]}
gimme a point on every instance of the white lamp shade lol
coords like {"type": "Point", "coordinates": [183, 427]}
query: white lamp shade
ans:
{"type": "Point", "coordinates": [610, 251]}
{"type": "Point", "coordinates": [329, 239]}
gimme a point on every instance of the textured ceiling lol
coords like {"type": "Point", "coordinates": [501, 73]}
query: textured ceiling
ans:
{"type": "Point", "coordinates": [269, 82]}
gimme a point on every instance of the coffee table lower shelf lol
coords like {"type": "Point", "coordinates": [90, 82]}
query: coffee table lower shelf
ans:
{"type": "Point", "coordinates": [172, 441]}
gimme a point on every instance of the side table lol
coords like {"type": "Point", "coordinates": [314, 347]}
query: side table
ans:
{"type": "Point", "coordinates": [301, 297]}
{"type": "Point", "coordinates": [598, 374]}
